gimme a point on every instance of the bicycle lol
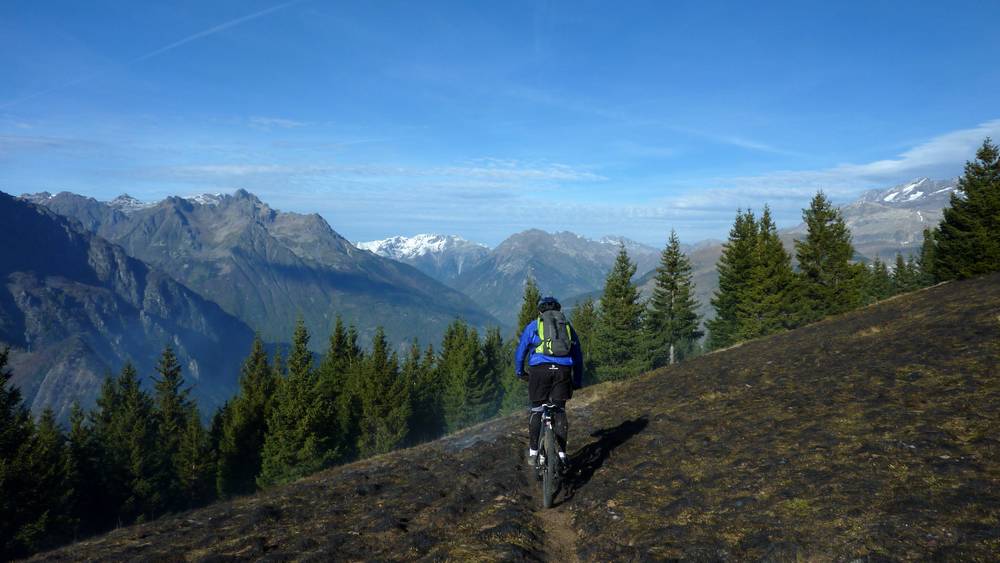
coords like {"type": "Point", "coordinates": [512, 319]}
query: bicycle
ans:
{"type": "Point", "coordinates": [547, 461]}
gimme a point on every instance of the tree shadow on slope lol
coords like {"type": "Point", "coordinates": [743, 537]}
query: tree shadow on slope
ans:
{"type": "Point", "coordinates": [588, 459]}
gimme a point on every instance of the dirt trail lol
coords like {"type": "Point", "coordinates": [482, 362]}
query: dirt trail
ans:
{"type": "Point", "coordinates": [560, 535]}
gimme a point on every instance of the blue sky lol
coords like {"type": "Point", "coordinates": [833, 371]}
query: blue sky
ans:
{"type": "Point", "coordinates": [486, 118]}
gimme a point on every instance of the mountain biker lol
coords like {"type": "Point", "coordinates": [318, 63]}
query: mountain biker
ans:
{"type": "Point", "coordinates": [554, 369]}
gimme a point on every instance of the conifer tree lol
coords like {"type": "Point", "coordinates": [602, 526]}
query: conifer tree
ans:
{"type": "Point", "coordinates": [333, 382]}
{"type": "Point", "coordinates": [736, 269]}
{"type": "Point", "coordinates": [619, 348]}
{"type": "Point", "coordinates": [292, 448]}
{"type": "Point", "coordinates": [968, 238]}
{"type": "Point", "coordinates": [83, 475]}
{"type": "Point", "coordinates": [904, 276]}
{"type": "Point", "coordinates": [879, 282]}
{"type": "Point", "coordinates": [427, 391]}
{"type": "Point", "coordinates": [672, 322]}
{"type": "Point", "coordinates": [194, 461]}
{"type": "Point", "coordinates": [515, 391]}
{"type": "Point", "coordinates": [349, 400]}
{"type": "Point", "coordinates": [529, 305]}
{"type": "Point", "coordinates": [831, 284]}
{"type": "Point", "coordinates": [19, 515]}
{"type": "Point", "coordinates": [385, 401]}
{"type": "Point", "coordinates": [928, 252]}
{"type": "Point", "coordinates": [134, 442]}
{"type": "Point", "coordinates": [243, 428]}
{"type": "Point", "coordinates": [771, 300]}
{"type": "Point", "coordinates": [51, 496]}
{"type": "Point", "coordinates": [498, 362]}
{"type": "Point", "coordinates": [469, 391]}
{"type": "Point", "coordinates": [584, 320]}
{"type": "Point", "coordinates": [171, 404]}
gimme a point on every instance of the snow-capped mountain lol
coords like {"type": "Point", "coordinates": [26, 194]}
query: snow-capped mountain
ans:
{"type": "Point", "coordinates": [921, 192]}
{"type": "Point", "coordinates": [884, 222]}
{"type": "Point", "coordinates": [443, 257]}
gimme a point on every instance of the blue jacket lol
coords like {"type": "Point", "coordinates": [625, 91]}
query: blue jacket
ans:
{"type": "Point", "coordinates": [530, 341]}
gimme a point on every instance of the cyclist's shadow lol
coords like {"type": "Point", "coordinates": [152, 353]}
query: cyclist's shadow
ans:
{"type": "Point", "coordinates": [588, 459]}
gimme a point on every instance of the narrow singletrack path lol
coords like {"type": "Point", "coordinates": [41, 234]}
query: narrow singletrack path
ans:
{"type": "Point", "coordinates": [560, 536]}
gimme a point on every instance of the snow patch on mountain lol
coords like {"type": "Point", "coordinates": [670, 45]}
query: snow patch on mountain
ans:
{"type": "Point", "coordinates": [206, 199]}
{"type": "Point", "coordinates": [126, 204]}
{"type": "Point", "coordinates": [401, 247]}
{"type": "Point", "coordinates": [916, 191]}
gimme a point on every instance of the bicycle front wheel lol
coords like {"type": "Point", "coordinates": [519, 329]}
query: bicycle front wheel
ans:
{"type": "Point", "coordinates": [551, 469]}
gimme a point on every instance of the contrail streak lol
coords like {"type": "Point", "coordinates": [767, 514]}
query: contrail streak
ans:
{"type": "Point", "coordinates": [155, 53]}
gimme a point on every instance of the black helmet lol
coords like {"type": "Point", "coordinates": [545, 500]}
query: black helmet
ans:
{"type": "Point", "coordinates": [549, 304]}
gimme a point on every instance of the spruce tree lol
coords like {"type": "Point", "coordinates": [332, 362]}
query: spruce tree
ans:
{"type": "Point", "coordinates": [672, 322]}
{"type": "Point", "coordinates": [831, 284]}
{"type": "Point", "coordinates": [470, 393]}
{"type": "Point", "coordinates": [195, 463]}
{"type": "Point", "coordinates": [83, 475]}
{"type": "Point", "coordinates": [385, 401]}
{"type": "Point", "coordinates": [333, 382]}
{"type": "Point", "coordinates": [427, 393]}
{"type": "Point", "coordinates": [292, 447]}
{"type": "Point", "coordinates": [736, 270]}
{"type": "Point", "coordinates": [772, 298]}
{"type": "Point", "coordinates": [619, 349]}
{"type": "Point", "coordinates": [134, 443]}
{"type": "Point", "coordinates": [928, 253]}
{"type": "Point", "coordinates": [171, 404]}
{"type": "Point", "coordinates": [584, 320]}
{"type": "Point", "coordinates": [904, 278]}
{"type": "Point", "coordinates": [968, 238]}
{"type": "Point", "coordinates": [19, 514]}
{"type": "Point", "coordinates": [52, 492]}
{"type": "Point", "coordinates": [243, 428]}
{"type": "Point", "coordinates": [515, 391]}
{"type": "Point", "coordinates": [879, 282]}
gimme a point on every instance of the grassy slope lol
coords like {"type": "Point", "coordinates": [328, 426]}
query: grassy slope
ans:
{"type": "Point", "coordinates": [873, 434]}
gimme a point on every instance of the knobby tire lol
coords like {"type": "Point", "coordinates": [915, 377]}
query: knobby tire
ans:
{"type": "Point", "coordinates": [551, 468]}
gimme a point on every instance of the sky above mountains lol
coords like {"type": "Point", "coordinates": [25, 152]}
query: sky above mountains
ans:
{"type": "Point", "coordinates": [483, 119]}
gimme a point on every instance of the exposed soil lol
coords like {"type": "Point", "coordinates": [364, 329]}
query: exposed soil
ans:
{"type": "Point", "coordinates": [874, 436]}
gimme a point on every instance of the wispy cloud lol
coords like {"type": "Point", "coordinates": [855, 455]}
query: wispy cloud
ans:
{"type": "Point", "coordinates": [12, 143]}
{"type": "Point", "coordinates": [939, 156]}
{"type": "Point", "coordinates": [155, 52]}
{"type": "Point", "coordinates": [268, 123]}
{"type": "Point", "coordinates": [509, 172]}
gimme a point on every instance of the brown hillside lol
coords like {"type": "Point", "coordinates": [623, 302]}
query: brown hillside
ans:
{"type": "Point", "coordinates": [875, 435]}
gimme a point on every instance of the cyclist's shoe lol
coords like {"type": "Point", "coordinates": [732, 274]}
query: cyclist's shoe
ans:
{"type": "Point", "coordinates": [563, 463]}
{"type": "Point", "coordinates": [532, 457]}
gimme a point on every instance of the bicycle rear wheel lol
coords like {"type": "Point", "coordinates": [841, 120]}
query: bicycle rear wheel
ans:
{"type": "Point", "coordinates": [551, 469]}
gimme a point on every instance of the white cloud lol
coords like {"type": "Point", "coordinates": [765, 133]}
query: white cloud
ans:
{"type": "Point", "coordinates": [268, 123]}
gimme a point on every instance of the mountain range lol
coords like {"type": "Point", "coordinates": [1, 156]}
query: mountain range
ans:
{"type": "Point", "coordinates": [883, 222]}
{"type": "Point", "coordinates": [268, 267]}
{"type": "Point", "coordinates": [74, 307]}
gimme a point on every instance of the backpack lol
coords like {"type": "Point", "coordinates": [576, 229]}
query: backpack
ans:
{"type": "Point", "coordinates": [554, 332]}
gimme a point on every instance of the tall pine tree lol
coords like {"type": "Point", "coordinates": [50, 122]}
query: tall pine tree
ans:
{"type": "Point", "coordinates": [171, 404]}
{"type": "Point", "coordinates": [619, 349]}
{"type": "Point", "coordinates": [427, 393]}
{"type": "Point", "coordinates": [515, 391]}
{"type": "Point", "coordinates": [584, 320]}
{"type": "Point", "coordinates": [470, 391]}
{"type": "Point", "coordinates": [672, 324]}
{"type": "Point", "coordinates": [385, 401]}
{"type": "Point", "coordinates": [968, 239]}
{"type": "Point", "coordinates": [831, 284]}
{"type": "Point", "coordinates": [736, 270]}
{"type": "Point", "coordinates": [292, 447]}
{"type": "Point", "coordinates": [243, 428]}
{"type": "Point", "coordinates": [771, 299]}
